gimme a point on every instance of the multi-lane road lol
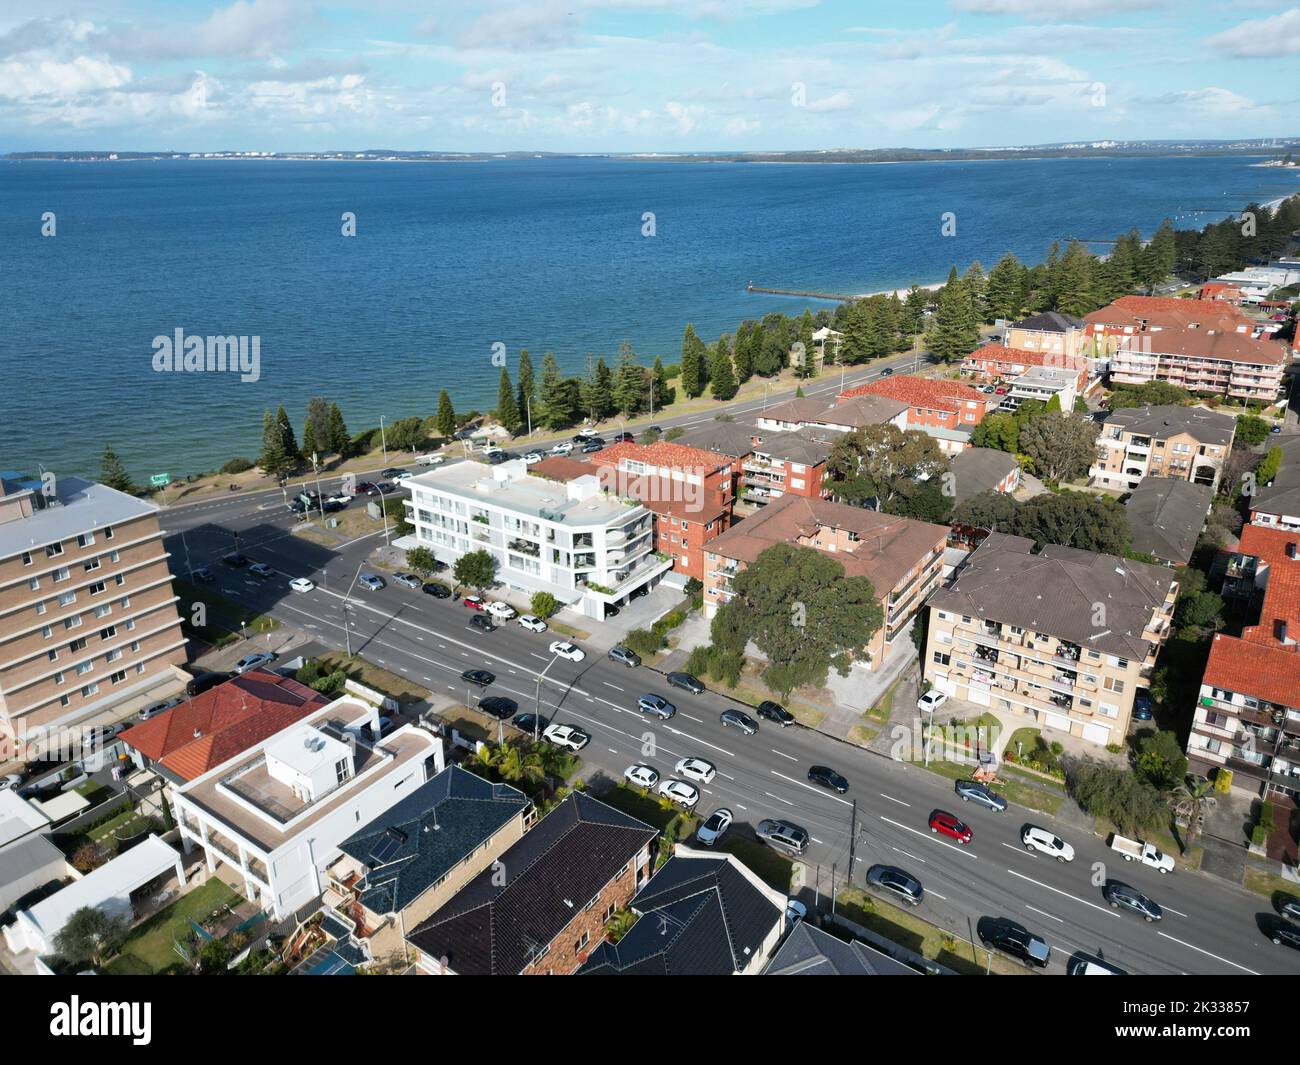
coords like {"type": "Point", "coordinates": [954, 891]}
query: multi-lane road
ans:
{"type": "Point", "coordinates": [1209, 926]}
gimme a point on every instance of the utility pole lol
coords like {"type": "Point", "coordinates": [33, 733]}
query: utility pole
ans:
{"type": "Point", "coordinates": [383, 505]}
{"type": "Point", "coordinates": [383, 439]}
{"type": "Point", "coordinates": [537, 697]}
{"type": "Point", "coordinates": [347, 628]}
{"type": "Point", "coordinates": [853, 836]}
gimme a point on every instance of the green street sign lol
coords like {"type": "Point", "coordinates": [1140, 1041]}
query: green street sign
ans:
{"type": "Point", "coordinates": [160, 480]}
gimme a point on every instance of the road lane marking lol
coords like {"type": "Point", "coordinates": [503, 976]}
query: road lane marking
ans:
{"type": "Point", "coordinates": [778, 798]}
{"type": "Point", "coordinates": [1216, 957]}
{"type": "Point", "coordinates": [892, 799]}
{"type": "Point", "coordinates": [1049, 916]}
{"type": "Point", "coordinates": [609, 685]}
{"type": "Point", "coordinates": [809, 787]}
{"type": "Point", "coordinates": [909, 854]}
{"type": "Point", "coordinates": [783, 754]}
{"type": "Point", "coordinates": [1064, 894]}
{"type": "Point", "coordinates": [931, 836]}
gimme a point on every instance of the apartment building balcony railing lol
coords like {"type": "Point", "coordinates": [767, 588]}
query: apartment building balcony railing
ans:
{"type": "Point", "coordinates": [1065, 702]}
{"type": "Point", "coordinates": [524, 547]}
{"type": "Point", "coordinates": [986, 654]}
{"type": "Point", "coordinates": [1067, 651]}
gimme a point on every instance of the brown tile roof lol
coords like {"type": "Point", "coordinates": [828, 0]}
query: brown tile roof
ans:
{"type": "Point", "coordinates": [1023, 357]}
{"type": "Point", "coordinates": [887, 549]}
{"type": "Point", "coordinates": [228, 719]}
{"type": "Point", "coordinates": [932, 393]}
{"type": "Point", "coordinates": [559, 468]}
{"type": "Point", "coordinates": [1207, 343]}
{"type": "Point", "coordinates": [861, 410]}
{"type": "Point", "coordinates": [794, 410]}
{"type": "Point", "coordinates": [656, 494]}
{"type": "Point", "coordinates": [1144, 306]}
{"type": "Point", "coordinates": [673, 456]}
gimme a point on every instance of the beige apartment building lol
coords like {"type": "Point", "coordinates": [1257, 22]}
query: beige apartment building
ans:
{"type": "Point", "coordinates": [902, 558]}
{"type": "Point", "coordinates": [89, 628]}
{"type": "Point", "coordinates": [1063, 638]}
{"type": "Point", "coordinates": [1186, 443]}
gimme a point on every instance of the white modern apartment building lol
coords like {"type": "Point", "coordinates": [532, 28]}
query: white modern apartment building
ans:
{"type": "Point", "coordinates": [276, 813]}
{"type": "Point", "coordinates": [585, 546]}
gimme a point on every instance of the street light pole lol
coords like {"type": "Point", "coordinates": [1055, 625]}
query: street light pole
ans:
{"type": "Point", "coordinates": [537, 697]}
{"type": "Point", "coordinates": [347, 629]}
{"type": "Point", "coordinates": [383, 439]}
{"type": "Point", "coordinates": [383, 505]}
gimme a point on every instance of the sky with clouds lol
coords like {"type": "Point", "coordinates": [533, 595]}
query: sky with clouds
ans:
{"type": "Point", "coordinates": [640, 75]}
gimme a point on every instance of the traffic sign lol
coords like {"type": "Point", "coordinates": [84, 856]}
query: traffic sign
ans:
{"type": "Point", "coordinates": [160, 480]}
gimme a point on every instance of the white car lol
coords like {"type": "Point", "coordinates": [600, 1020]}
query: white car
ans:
{"type": "Point", "coordinates": [341, 498]}
{"type": "Point", "coordinates": [643, 776]}
{"type": "Point", "coordinates": [713, 829]}
{"type": "Point", "coordinates": [566, 736]}
{"type": "Point", "coordinates": [504, 611]}
{"type": "Point", "coordinates": [405, 475]}
{"type": "Point", "coordinates": [301, 584]}
{"type": "Point", "coordinates": [931, 701]}
{"type": "Point", "coordinates": [532, 623]}
{"type": "Point", "coordinates": [562, 448]}
{"type": "Point", "coordinates": [10, 780]}
{"type": "Point", "coordinates": [695, 769]}
{"type": "Point", "coordinates": [570, 651]}
{"type": "Point", "coordinates": [1039, 839]}
{"type": "Point", "coordinates": [533, 457]}
{"type": "Point", "coordinates": [680, 792]}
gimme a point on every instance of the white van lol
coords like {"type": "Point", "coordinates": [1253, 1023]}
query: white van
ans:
{"type": "Point", "coordinates": [430, 460]}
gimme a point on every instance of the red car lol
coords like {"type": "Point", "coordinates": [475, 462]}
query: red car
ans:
{"type": "Point", "coordinates": [475, 602]}
{"type": "Point", "coordinates": [943, 822]}
{"type": "Point", "coordinates": [363, 488]}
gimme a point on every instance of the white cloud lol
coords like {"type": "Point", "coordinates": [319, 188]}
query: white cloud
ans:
{"type": "Point", "coordinates": [1059, 9]}
{"type": "Point", "coordinates": [840, 101]}
{"type": "Point", "coordinates": [1264, 38]}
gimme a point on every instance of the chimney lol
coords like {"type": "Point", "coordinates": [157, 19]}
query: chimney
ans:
{"type": "Point", "coordinates": [1291, 549]}
{"type": "Point", "coordinates": [1280, 629]}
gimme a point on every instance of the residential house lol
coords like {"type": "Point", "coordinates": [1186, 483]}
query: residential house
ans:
{"type": "Point", "coordinates": [946, 410]}
{"type": "Point", "coordinates": [901, 557]}
{"type": "Point", "coordinates": [841, 417]}
{"type": "Point", "coordinates": [1248, 715]}
{"type": "Point", "coordinates": [1063, 638]}
{"type": "Point", "coordinates": [703, 914]}
{"type": "Point", "coordinates": [543, 908]}
{"type": "Point", "coordinates": [996, 363]}
{"type": "Point", "coordinates": [812, 951]}
{"type": "Point", "coordinates": [1166, 517]}
{"type": "Point", "coordinates": [1277, 504]}
{"type": "Point", "coordinates": [1186, 443]}
{"type": "Point", "coordinates": [1048, 333]}
{"type": "Point", "coordinates": [1042, 384]}
{"type": "Point", "coordinates": [983, 469]}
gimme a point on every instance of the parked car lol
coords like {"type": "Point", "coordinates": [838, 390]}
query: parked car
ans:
{"type": "Point", "coordinates": [235, 560]}
{"type": "Point", "coordinates": [943, 823]}
{"type": "Point", "coordinates": [1282, 933]}
{"type": "Point", "coordinates": [826, 777]}
{"type": "Point", "coordinates": [531, 723]}
{"type": "Point", "coordinates": [567, 736]}
{"type": "Point", "coordinates": [10, 780]}
{"type": "Point", "coordinates": [736, 719]}
{"type": "Point", "coordinates": [1137, 850]}
{"type": "Point", "coordinates": [657, 706]}
{"type": "Point", "coordinates": [407, 580]}
{"type": "Point", "coordinates": [931, 701]}
{"type": "Point", "coordinates": [1039, 839]}
{"type": "Point", "coordinates": [696, 769]}
{"type": "Point", "coordinates": [611, 611]}
{"type": "Point", "coordinates": [775, 712]}
{"type": "Point", "coordinates": [686, 682]}
{"type": "Point", "coordinates": [562, 448]}
{"type": "Point", "coordinates": [643, 776]}
{"type": "Point", "coordinates": [204, 575]}
{"type": "Point", "coordinates": [333, 506]}
{"type": "Point", "coordinates": [501, 610]}
{"type": "Point", "coordinates": [974, 791]}
{"type": "Point", "coordinates": [627, 657]}
{"type": "Point", "coordinates": [714, 828]}
{"type": "Point", "coordinates": [438, 591]}
{"type": "Point", "coordinates": [301, 584]}
{"type": "Point", "coordinates": [153, 710]}
{"type": "Point", "coordinates": [257, 658]}
{"type": "Point", "coordinates": [532, 623]}
{"type": "Point", "coordinates": [1004, 935]}
{"type": "Point", "coordinates": [533, 457]}
{"type": "Point", "coordinates": [1142, 705]}
{"type": "Point", "coordinates": [896, 882]}
{"type": "Point", "coordinates": [679, 792]}
{"type": "Point", "coordinates": [371, 580]}
{"type": "Point", "coordinates": [568, 651]}
{"type": "Point", "coordinates": [498, 706]}
{"type": "Point", "coordinates": [1122, 896]}
{"type": "Point", "coordinates": [1084, 965]}
{"type": "Point", "coordinates": [392, 473]}
{"type": "Point", "coordinates": [201, 682]}
{"type": "Point", "coordinates": [341, 498]}
{"type": "Point", "coordinates": [482, 623]}
{"type": "Point", "coordinates": [481, 677]}
{"type": "Point", "coordinates": [1290, 909]}
{"type": "Point", "coordinates": [475, 602]}
{"type": "Point", "coordinates": [383, 487]}
{"type": "Point", "coordinates": [784, 836]}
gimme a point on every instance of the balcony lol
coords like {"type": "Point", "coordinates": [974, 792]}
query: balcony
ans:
{"type": "Point", "coordinates": [1067, 651]}
{"type": "Point", "coordinates": [524, 547]}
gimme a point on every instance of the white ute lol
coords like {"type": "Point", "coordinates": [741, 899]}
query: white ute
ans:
{"type": "Point", "coordinates": [1137, 850]}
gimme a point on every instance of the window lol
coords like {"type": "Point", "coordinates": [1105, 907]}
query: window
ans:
{"type": "Point", "coordinates": [58, 677]}
{"type": "Point", "coordinates": [118, 677]}
{"type": "Point", "coordinates": [27, 558]}
{"type": "Point", "coordinates": [139, 668]}
{"type": "Point", "coordinates": [41, 608]}
{"type": "Point", "coordinates": [67, 598]}
{"type": "Point", "coordinates": [91, 564]}
{"type": "Point", "coordinates": [582, 942]}
{"type": "Point", "coordinates": [113, 556]}
{"type": "Point", "coordinates": [113, 655]}
{"type": "Point", "coordinates": [85, 539]}
{"type": "Point", "coordinates": [135, 645]}
{"type": "Point", "coordinates": [73, 622]}
{"type": "Point", "coordinates": [124, 602]}
{"type": "Point", "coordinates": [130, 624]}
{"type": "Point", "coordinates": [942, 659]}
{"type": "Point", "coordinates": [33, 583]}
{"type": "Point", "coordinates": [79, 644]}
{"type": "Point", "coordinates": [46, 631]}
{"type": "Point", "coordinates": [103, 611]}
{"type": "Point", "coordinates": [61, 574]}
{"type": "Point", "coordinates": [53, 550]}
{"type": "Point", "coordinates": [119, 580]}
{"type": "Point", "coordinates": [1113, 685]}
{"type": "Point", "coordinates": [84, 667]}
{"type": "Point", "coordinates": [64, 700]}
{"type": "Point", "coordinates": [108, 633]}
{"type": "Point", "coordinates": [90, 689]}
{"type": "Point", "coordinates": [97, 588]}
{"type": "Point", "coordinates": [108, 532]}
{"type": "Point", "coordinates": [53, 654]}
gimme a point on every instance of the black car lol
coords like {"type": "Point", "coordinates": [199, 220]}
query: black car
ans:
{"type": "Point", "coordinates": [384, 486]}
{"type": "Point", "coordinates": [686, 682]}
{"type": "Point", "coordinates": [481, 677]}
{"type": "Point", "coordinates": [298, 507]}
{"type": "Point", "coordinates": [534, 723]}
{"type": "Point", "coordinates": [736, 719]}
{"type": "Point", "coordinates": [235, 559]}
{"type": "Point", "coordinates": [897, 882]}
{"type": "Point", "coordinates": [611, 612]}
{"type": "Point", "coordinates": [775, 712]}
{"type": "Point", "coordinates": [333, 506]}
{"type": "Point", "coordinates": [1002, 933]}
{"type": "Point", "coordinates": [482, 622]}
{"type": "Point", "coordinates": [499, 707]}
{"type": "Point", "coordinates": [886, 371]}
{"type": "Point", "coordinates": [1123, 897]}
{"type": "Point", "coordinates": [1282, 933]}
{"type": "Point", "coordinates": [827, 778]}
{"type": "Point", "coordinates": [203, 681]}
{"type": "Point", "coordinates": [438, 591]}
{"type": "Point", "coordinates": [204, 574]}
{"type": "Point", "coordinates": [391, 472]}
{"type": "Point", "coordinates": [624, 438]}
{"type": "Point", "coordinates": [637, 593]}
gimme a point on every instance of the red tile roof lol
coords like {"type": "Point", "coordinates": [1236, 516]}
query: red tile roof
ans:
{"type": "Point", "coordinates": [1022, 357]}
{"type": "Point", "coordinates": [672, 456]}
{"type": "Point", "coordinates": [658, 494]}
{"type": "Point", "coordinates": [1144, 306]}
{"type": "Point", "coordinates": [228, 720]}
{"type": "Point", "coordinates": [1258, 663]}
{"type": "Point", "coordinates": [931, 393]}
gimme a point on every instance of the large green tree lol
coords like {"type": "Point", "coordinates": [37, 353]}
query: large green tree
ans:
{"type": "Point", "coordinates": [446, 416]}
{"type": "Point", "coordinates": [527, 395]}
{"type": "Point", "coordinates": [274, 458]}
{"type": "Point", "coordinates": [955, 328]}
{"type": "Point", "coordinates": [1062, 446]}
{"type": "Point", "coordinates": [631, 382]}
{"type": "Point", "coordinates": [902, 469]}
{"type": "Point", "coordinates": [112, 473]}
{"type": "Point", "coordinates": [722, 381]}
{"type": "Point", "coordinates": [337, 439]}
{"type": "Point", "coordinates": [475, 569]}
{"type": "Point", "coordinates": [90, 935]}
{"type": "Point", "coordinates": [693, 371]}
{"type": "Point", "coordinates": [507, 404]}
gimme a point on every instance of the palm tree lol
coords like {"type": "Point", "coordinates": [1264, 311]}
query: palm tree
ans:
{"type": "Point", "coordinates": [1192, 793]}
{"type": "Point", "coordinates": [517, 765]}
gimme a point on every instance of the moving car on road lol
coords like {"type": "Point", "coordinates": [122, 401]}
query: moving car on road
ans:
{"type": "Point", "coordinates": [896, 882]}
{"type": "Point", "coordinates": [482, 623]}
{"type": "Point", "coordinates": [204, 574]}
{"type": "Point", "coordinates": [656, 706]}
{"type": "Point", "coordinates": [1121, 896]}
{"type": "Point", "coordinates": [569, 737]}
{"type": "Point", "coordinates": [686, 682]}
{"type": "Point", "coordinates": [532, 623]}
{"type": "Point", "coordinates": [407, 580]}
{"type": "Point", "coordinates": [679, 792]}
{"type": "Point", "coordinates": [1004, 935]}
{"type": "Point", "coordinates": [775, 712]}
{"type": "Point", "coordinates": [301, 584]}
{"type": "Point", "coordinates": [713, 829]}
{"type": "Point", "coordinates": [974, 791]}
{"type": "Point", "coordinates": [370, 580]}
{"type": "Point", "coordinates": [827, 778]}
{"type": "Point", "coordinates": [481, 677]}
{"type": "Point", "coordinates": [643, 776]}
{"type": "Point", "coordinates": [696, 769]}
{"type": "Point", "coordinates": [257, 658]}
{"type": "Point", "coordinates": [1039, 839]}
{"type": "Point", "coordinates": [568, 651]}
{"type": "Point", "coordinates": [784, 836]}
{"type": "Point", "coordinates": [945, 824]}
{"type": "Point", "coordinates": [533, 457]}
{"type": "Point", "coordinates": [562, 448]}
{"type": "Point", "coordinates": [627, 657]}
{"type": "Point", "coordinates": [736, 719]}
{"type": "Point", "coordinates": [235, 560]}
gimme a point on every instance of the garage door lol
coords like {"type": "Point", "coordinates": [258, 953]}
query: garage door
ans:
{"type": "Point", "coordinates": [1057, 721]}
{"type": "Point", "coordinates": [979, 695]}
{"type": "Point", "coordinates": [1097, 734]}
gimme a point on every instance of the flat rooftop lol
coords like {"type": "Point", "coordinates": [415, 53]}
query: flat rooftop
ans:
{"type": "Point", "coordinates": [510, 486]}
{"type": "Point", "coordinates": [77, 506]}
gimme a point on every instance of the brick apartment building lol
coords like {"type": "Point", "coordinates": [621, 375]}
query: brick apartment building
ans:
{"type": "Point", "coordinates": [946, 410]}
{"type": "Point", "coordinates": [994, 364]}
{"type": "Point", "coordinates": [1063, 638]}
{"type": "Point", "coordinates": [901, 557]}
{"type": "Point", "coordinates": [769, 462]}
{"type": "Point", "coordinates": [1247, 718]}
{"type": "Point", "coordinates": [1187, 443]}
{"type": "Point", "coordinates": [1050, 332]}
{"type": "Point", "coordinates": [563, 881]}
{"type": "Point", "coordinates": [89, 629]}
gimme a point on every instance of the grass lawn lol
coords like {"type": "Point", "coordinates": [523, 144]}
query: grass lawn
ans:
{"type": "Point", "coordinates": [91, 791]}
{"type": "Point", "coordinates": [372, 676]}
{"type": "Point", "coordinates": [125, 825]}
{"type": "Point", "coordinates": [568, 630]}
{"type": "Point", "coordinates": [908, 930]}
{"type": "Point", "coordinates": [1263, 881]}
{"type": "Point", "coordinates": [1161, 838]}
{"type": "Point", "coordinates": [1018, 792]}
{"type": "Point", "coordinates": [862, 735]}
{"type": "Point", "coordinates": [148, 950]}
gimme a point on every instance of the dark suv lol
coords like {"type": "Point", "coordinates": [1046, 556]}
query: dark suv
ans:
{"type": "Point", "coordinates": [482, 622]}
{"type": "Point", "coordinates": [1123, 897]}
{"type": "Point", "coordinates": [1016, 941]}
{"type": "Point", "coordinates": [775, 712]}
{"type": "Point", "coordinates": [894, 880]}
{"type": "Point", "coordinates": [686, 682]}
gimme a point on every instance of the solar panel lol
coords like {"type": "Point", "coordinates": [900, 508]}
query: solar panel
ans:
{"type": "Point", "coordinates": [386, 846]}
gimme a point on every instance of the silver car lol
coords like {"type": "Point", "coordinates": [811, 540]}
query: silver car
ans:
{"type": "Point", "coordinates": [974, 791]}
{"type": "Point", "coordinates": [257, 658]}
{"type": "Point", "coordinates": [371, 581]}
{"type": "Point", "coordinates": [712, 830]}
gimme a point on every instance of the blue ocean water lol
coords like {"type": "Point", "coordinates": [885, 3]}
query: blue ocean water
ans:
{"type": "Point", "coordinates": [450, 259]}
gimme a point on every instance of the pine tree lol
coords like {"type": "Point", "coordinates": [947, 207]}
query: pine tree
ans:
{"type": "Point", "coordinates": [552, 398]}
{"type": "Point", "coordinates": [692, 365]}
{"type": "Point", "coordinates": [273, 459]}
{"type": "Point", "coordinates": [805, 330]}
{"type": "Point", "coordinates": [309, 447]}
{"type": "Point", "coordinates": [527, 387]}
{"type": "Point", "coordinates": [912, 320]}
{"type": "Point", "coordinates": [288, 441]}
{"type": "Point", "coordinates": [604, 389]}
{"type": "Point", "coordinates": [1002, 294]}
{"type": "Point", "coordinates": [743, 360]}
{"type": "Point", "coordinates": [630, 390]}
{"type": "Point", "coordinates": [112, 473]}
{"type": "Point", "coordinates": [956, 332]}
{"type": "Point", "coordinates": [446, 416]}
{"type": "Point", "coordinates": [664, 393]}
{"type": "Point", "coordinates": [507, 411]}
{"type": "Point", "coordinates": [1076, 294]}
{"type": "Point", "coordinates": [339, 442]}
{"type": "Point", "coordinates": [977, 288]}
{"type": "Point", "coordinates": [723, 378]}
{"type": "Point", "coordinates": [856, 345]}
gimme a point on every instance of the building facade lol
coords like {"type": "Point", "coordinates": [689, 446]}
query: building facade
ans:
{"type": "Point", "coordinates": [946, 410]}
{"type": "Point", "coordinates": [1186, 443]}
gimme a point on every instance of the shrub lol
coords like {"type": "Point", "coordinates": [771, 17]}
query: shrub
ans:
{"type": "Point", "coordinates": [238, 465]}
{"type": "Point", "coordinates": [644, 642]}
{"type": "Point", "coordinates": [668, 622]}
{"type": "Point", "coordinates": [544, 604]}
{"type": "Point", "coordinates": [698, 662]}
